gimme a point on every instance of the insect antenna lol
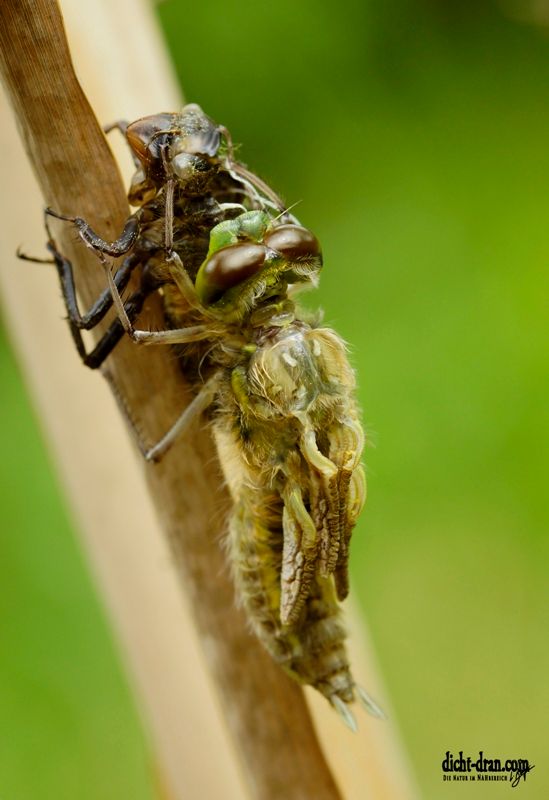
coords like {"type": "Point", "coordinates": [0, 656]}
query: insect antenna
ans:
{"type": "Point", "coordinates": [286, 212]}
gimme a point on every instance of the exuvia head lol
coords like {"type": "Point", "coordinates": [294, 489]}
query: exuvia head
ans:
{"type": "Point", "coordinates": [181, 146]}
{"type": "Point", "coordinates": [251, 259]}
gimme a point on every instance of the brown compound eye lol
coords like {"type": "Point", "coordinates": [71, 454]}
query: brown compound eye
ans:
{"type": "Point", "coordinates": [293, 242]}
{"type": "Point", "coordinates": [227, 268]}
{"type": "Point", "coordinates": [141, 133]}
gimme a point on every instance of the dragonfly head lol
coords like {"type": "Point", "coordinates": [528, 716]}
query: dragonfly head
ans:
{"type": "Point", "coordinates": [182, 146]}
{"type": "Point", "coordinates": [251, 259]}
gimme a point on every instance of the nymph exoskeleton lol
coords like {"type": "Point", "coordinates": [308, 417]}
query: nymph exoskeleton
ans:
{"type": "Point", "coordinates": [279, 388]}
{"type": "Point", "coordinates": [186, 182]}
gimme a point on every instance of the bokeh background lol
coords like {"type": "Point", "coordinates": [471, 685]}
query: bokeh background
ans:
{"type": "Point", "coordinates": [415, 134]}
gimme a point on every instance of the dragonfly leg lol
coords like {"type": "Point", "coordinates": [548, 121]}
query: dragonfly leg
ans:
{"type": "Point", "coordinates": [118, 247]}
{"type": "Point", "coordinates": [104, 302]}
{"type": "Point", "coordinates": [122, 126]}
{"type": "Point", "coordinates": [119, 125]}
{"type": "Point", "coordinates": [106, 344]}
{"type": "Point", "coordinates": [181, 426]}
{"type": "Point", "coordinates": [98, 310]}
{"type": "Point", "coordinates": [185, 285]}
{"type": "Point", "coordinates": [176, 336]}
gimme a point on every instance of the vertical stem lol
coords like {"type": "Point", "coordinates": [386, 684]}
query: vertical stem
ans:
{"type": "Point", "coordinates": [266, 713]}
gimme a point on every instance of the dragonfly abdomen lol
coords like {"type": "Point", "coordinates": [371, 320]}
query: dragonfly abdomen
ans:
{"type": "Point", "coordinates": [312, 648]}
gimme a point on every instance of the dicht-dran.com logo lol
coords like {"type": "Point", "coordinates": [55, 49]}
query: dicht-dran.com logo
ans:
{"type": "Point", "coordinates": [459, 768]}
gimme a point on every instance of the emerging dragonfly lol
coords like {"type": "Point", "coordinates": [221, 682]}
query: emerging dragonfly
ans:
{"type": "Point", "coordinates": [228, 259]}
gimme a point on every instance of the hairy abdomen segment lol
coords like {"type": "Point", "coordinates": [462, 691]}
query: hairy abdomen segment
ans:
{"type": "Point", "coordinates": [312, 649]}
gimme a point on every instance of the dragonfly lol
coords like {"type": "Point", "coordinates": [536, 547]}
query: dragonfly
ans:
{"type": "Point", "coordinates": [229, 259]}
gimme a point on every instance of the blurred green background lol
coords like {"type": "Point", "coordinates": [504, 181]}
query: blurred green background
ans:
{"type": "Point", "coordinates": [416, 135]}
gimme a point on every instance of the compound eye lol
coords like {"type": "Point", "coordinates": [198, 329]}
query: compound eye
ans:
{"type": "Point", "coordinates": [201, 136]}
{"type": "Point", "coordinates": [227, 268]}
{"type": "Point", "coordinates": [141, 132]}
{"type": "Point", "coordinates": [293, 242]}
{"type": "Point", "coordinates": [204, 142]}
{"type": "Point", "coordinates": [187, 166]}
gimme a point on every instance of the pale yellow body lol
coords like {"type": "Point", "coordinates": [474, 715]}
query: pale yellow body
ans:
{"type": "Point", "coordinates": [290, 442]}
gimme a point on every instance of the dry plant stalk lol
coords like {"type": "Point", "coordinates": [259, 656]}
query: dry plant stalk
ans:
{"type": "Point", "coordinates": [265, 711]}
